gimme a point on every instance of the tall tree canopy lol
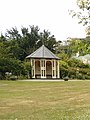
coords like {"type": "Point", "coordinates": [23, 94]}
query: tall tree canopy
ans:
{"type": "Point", "coordinates": [20, 45]}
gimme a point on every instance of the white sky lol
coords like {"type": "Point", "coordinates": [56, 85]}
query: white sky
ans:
{"type": "Point", "coordinates": [51, 15]}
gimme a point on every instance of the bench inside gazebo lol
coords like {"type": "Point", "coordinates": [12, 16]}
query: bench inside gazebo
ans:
{"type": "Point", "coordinates": [44, 63]}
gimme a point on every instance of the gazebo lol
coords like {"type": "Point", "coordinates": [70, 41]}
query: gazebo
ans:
{"type": "Point", "coordinates": [44, 63]}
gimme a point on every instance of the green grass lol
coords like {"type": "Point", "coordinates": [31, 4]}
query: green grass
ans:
{"type": "Point", "coordinates": [62, 100]}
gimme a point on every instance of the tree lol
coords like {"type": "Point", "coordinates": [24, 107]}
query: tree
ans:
{"type": "Point", "coordinates": [84, 13]}
{"type": "Point", "coordinates": [48, 40]}
{"type": "Point", "coordinates": [29, 39]}
{"type": "Point", "coordinates": [13, 34]}
{"type": "Point", "coordinates": [2, 38]}
{"type": "Point", "coordinates": [76, 45]}
{"type": "Point", "coordinates": [27, 69]}
{"type": "Point", "coordinates": [9, 65]}
{"type": "Point", "coordinates": [63, 68]}
{"type": "Point", "coordinates": [88, 32]}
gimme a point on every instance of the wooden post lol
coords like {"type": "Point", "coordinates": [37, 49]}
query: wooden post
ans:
{"type": "Point", "coordinates": [54, 68]}
{"type": "Point", "coordinates": [43, 68]}
{"type": "Point", "coordinates": [58, 70]}
{"type": "Point", "coordinates": [33, 67]}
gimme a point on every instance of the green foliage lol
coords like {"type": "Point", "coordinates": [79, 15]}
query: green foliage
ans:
{"type": "Point", "coordinates": [27, 68]}
{"type": "Point", "coordinates": [21, 45]}
{"type": "Point", "coordinates": [15, 46]}
{"type": "Point", "coordinates": [79, 45]}
{"type": "Point", "coordinates": [74, 68]}
{"type": "Point", "coordinates": [48, 40]}
{"type": "Point", "coordinates": [84, 13]}
{"type": "Point", "coordinates": [9, 65]}
{"type": "Point", "coordinates": [63, 64]}
{"type": "Point", "coordinates": [63, 68]}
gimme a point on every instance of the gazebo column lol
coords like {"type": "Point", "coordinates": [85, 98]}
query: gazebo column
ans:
{"type": "Point", "coordinates": [43, 68]}
{"type": "Point", "coordinates": [53, 68]}
{"type": "Point", "coordinates": [33, 67]}
{"type": "Point", "coordinates": [58, 70]}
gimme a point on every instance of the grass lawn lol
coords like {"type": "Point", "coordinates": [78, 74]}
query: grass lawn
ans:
{"type": "Point", "coordinates": [20, 100]}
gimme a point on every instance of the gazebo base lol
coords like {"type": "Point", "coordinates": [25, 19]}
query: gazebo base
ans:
{"type": "Point", "coordinates": [47, 77]}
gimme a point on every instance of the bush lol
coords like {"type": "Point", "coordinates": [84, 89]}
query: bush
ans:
{"type": "Point", "coordinates": [87, 77]}
{"type": "Point", "coordinates": [72, 77]}
{"type": "Point", "coordinates": [22, 77]}
{"type": "Point", "coordinates": [13, 77]}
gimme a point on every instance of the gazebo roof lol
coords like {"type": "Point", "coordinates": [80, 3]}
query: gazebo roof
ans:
{"type": "Point", "coordinates": [43, 52]}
